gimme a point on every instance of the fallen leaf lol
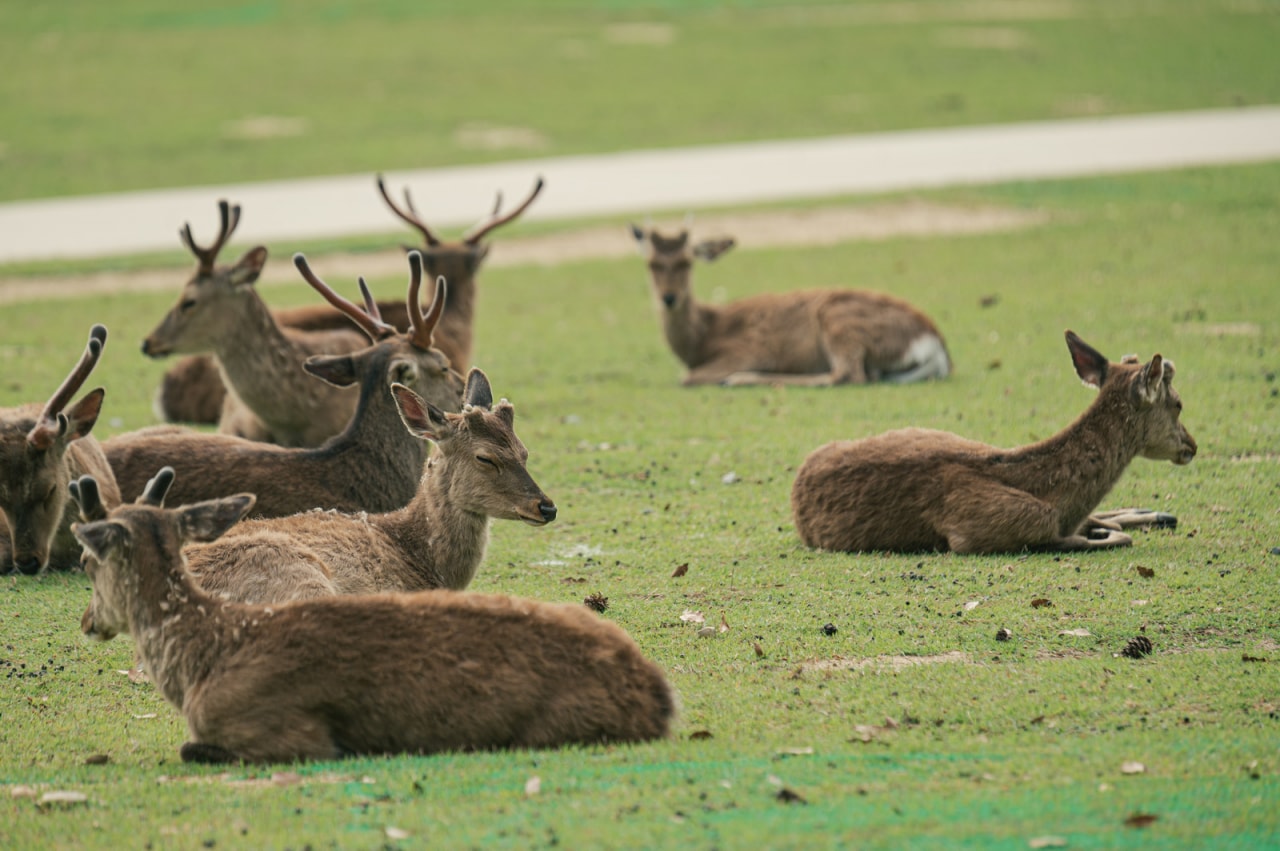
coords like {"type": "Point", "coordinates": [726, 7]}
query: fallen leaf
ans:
{"type": "Point", "coordinates": [63, 798]}
{"type": "Point", "coordinates": [1144, 572]}
{"type": "Point", "coordinates": [395, 832]}
{"type": "Point", "coordinates": [790, 796]}
{"type": "Point", "coordinates": [706, 631]}
{"type": "Point", "coordinates": [759, 650]}
{"type": "Point", "coordinates": [698, 735]}
{"type": "Point", "coordinates": [971, 605]}
{"type": "Point", "coordinates": [729, 478]}
{"type": "Point", "coordinates": [1047, 842]}
{"type": "Point", "coordinates": [1041, 602]}
{"type": "Point", "coordinates": [681, 570]}
{"type": "Point", "coordinates": [22, 792]}
{"type": "Point", "coordinates": [532, 786]}
{"type": "Point", "coordinates": [796, 752]}
{"type": "Point", "coordinates": [690, 616]}
{"type": "Point", "coordinates": [724, 623]}
{"type": "Point", "coordinates": [596, 602]}
{"type": "Point", "coordinates": [1079, 632]}
{"type": "Point", "coordinates": [137, 675]}
{"type": "Point", "coordinates": [1132, 767]}
{"type": "Point", "coordinates": [145, 715]}
{"type": "Point", "coordinates": [97, 759]}
{"type": "Point", "coordinates": [1140, 819]}
{"type": "Point", "coordinates": [1039, 719]}
{"type": "Point", "coordinates": [1139, 602]}
{"type": "Point", "coordinates": [1004, 634]}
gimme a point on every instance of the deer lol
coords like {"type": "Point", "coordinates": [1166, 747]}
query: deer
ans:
{"type": "Point", "coordinates": [254, 349]}
{"type": "Point", "coordinates": [917, 490]}
{"type": "Point", "coordinates": [327, 678]}
{"type": "Point", "coordinates": [477, 471]}
{"type": "Point", "coordinates": [43, 448]}
{"type": "Point", "coordinates": [372, 465]}
{"type": "Point", "coordinates": [458, 261]}
{"type": "Point", "coordinates": [811, 338]}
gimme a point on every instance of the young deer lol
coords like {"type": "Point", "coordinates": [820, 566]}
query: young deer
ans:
{"type": "Point", "coordinates": [373, 465]}
{"type": "Point", "coordinates": [259, 352]}
{"type": "Point", "coordinates": [918, 490]}
{"type": "Point", "coordinates": [458, 261]}
{"type": "Point", "coordinates": [476, 472]}
{"type": "Point", "coordinates": [42, 449]}
{"type": "Point", "coordinates": [322, 679]}
{"type": "Point", "coordinates": [814, 338]}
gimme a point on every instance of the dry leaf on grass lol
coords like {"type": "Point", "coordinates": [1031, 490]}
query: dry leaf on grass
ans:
{"type": "Point", "coordinates": [68, 798]}
{"type": "Point", "coordinates": [1004, 634]}
{"type": "Point", "coordinates": [690, 616]}
{"type": "Point", "coordinates": [1132, 767]}
{"type": "Point", "coordinates": [698, 735]}
{"type": "Point", "coordinates": [144, 716]}
{"type": "Point", "coordinates": [707, 631]}
{"type": "Point", "coordinates": [532, 786]}
{"type": "Point", "coordinates": [597, 602]}
{"type": "Point", "coordinates": [971, 605]}
{"type": "Point", "coordinates": [724, 623]}
{"type": "Point", "coordinates": [1144, 572]}
{"type": "Point", "coordinates": [395, 832]}
{"type": "Point", "coordinates": [759, 650]}
{"type": "Point", "coordinates": [22, 792]}
{"type": "Point", "coordinates": [1140, 819]}
{"type": "Point", "coordinates": [1078, 632]}
{"type": "Point", "coordinates": [1047, 842]}
{"type": "Point", "coordinates": [1041, 603]}
{"type": "Point", "coordinates": [681, 570]}
{"type": "Point", "coordinates": [796, 752]}
{"type": "Point", "coordinates": [285, 778]}
{"type": "Point", "coordinates": [97, 759]}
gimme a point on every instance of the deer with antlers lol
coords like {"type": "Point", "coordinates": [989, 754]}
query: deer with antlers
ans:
{"type": "Point", "coordinates": [322, 679]}
{"type": "Point", "coordinates": [814, 338]}
{"type": "Point", "coordinates": [458, 261]}
{"type": "Point", "coordinates": [373, 465]}
{"type": "Point", "coordinates": [257, 351]}
{"type": "Point", "coordinates": [42, 449]}
{"type": "Point", "coordinates": [477, 471]}
{"type": "Point", "coordinates": [920, 490]}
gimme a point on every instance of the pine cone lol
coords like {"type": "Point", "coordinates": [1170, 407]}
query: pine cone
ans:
{"type": "Point", "coordinates": [1003, 634]}
{"type": "Point", "coordinates": [1137, 647]}
{"type": "Point", "coordinates": [596, 601]}
{"type": "Point", "coordinates": [829, 629]}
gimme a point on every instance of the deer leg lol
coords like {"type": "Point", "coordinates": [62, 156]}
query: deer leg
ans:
{"type": "Point", "coordinates": [1129, 518]}
{"type": "Point", "coordinates": [988, 517]}
{"type": "Point", "coordinates": [715, 372]}
{"type": "Point", "coordinates": [204, 752]}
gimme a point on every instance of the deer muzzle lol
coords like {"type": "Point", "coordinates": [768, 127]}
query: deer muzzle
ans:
{"type": "Point", "coordinates": [1188, 450]}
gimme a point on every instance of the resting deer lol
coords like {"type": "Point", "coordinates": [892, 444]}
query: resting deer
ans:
{"type": "Point", "coordinates": [322, 679]}
{"type": "Point", "coordinates": [258, 351]}
{"type": "Point", "coordinates": [373, 465]}
{"type": "Point", "coordinates": [918, 490]}
{"type": "Point", "coordinates": [814, 338]}
{"type": "Point", "coordinates": [477, 471]}
{"type": "Point", "coordinates": [42, 449]}
{"type": "Point", "coordinates": [458, 261]}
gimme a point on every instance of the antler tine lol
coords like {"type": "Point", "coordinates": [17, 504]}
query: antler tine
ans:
{"type": "Point", "coordinates": [230, 219]}
{"type": "Point", "coordinates": [419, 329]}
{"type": "Point", "coordinates": [70, 385]}
{"type": "Point", "coordinates": [370, 303]}
{"type": "Point", "coordinates": [410, 216]}
{"type": "Point", "coordinates": [157, 487]}
{"type": "Point", "coordinates": [85, 492]}
{"type": "Point", "coordinates": [375, 329]}
{"type": "Point", "coordinates": [477, 233]}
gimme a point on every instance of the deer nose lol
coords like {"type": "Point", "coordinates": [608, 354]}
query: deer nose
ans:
{"type": "Point", "coordinates": [669, 299]}
{"type": "Point", "coordinates": [547, 510]}
{"type": "Point", "coordinates": [29, 565]}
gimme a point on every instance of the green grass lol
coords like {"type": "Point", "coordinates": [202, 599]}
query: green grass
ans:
{"type": "Point", "coordinates": [147, 93]}
{"type": "Point", "coordinates": [1016, 740]}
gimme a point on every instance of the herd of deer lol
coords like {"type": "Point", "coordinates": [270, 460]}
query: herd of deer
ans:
{"type": "Point", "coordinates": [334, 620]}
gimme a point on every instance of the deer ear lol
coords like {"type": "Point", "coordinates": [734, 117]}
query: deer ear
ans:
{"type": "Point", "coordinates": [83, 414]}
{"type": "Point", "coordinates": [423, 419]}
{"type": "Point", "coordinates": [712, 248]}
{"type": "Point", "coordinates": [249, 267]}
{"type": "Point", "coordinates": [207, 521]}
{"type": "Point", "coordinates": [99, 537]}
{"type": "Point", "coordinates": [638, 234]}
{"type": "Point", "coordinates": [478, 393]}
{"type": "Point", "coordinates": [1091, 365]}
{"type": "Point", "coordinates": [338, 370]}
{"type": "Point", "coordinates": [1150, 383]}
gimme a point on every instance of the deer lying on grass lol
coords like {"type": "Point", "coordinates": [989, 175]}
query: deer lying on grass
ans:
{"type": "Point", "coordinates": [42, 449]}
{"type": "Point", "coordinates": [476, 472]}
{"type": "Point", "coordinates": [814, 338]}
{"type": "Point", "coordinates": [373, 465]}
{"type": "Point", "coordinates": [458, 261]}
{"type": "Point", "coordinates": [917, 490]}
{"type": "Point", "coordinates": [258, 351]}
{"type": "Point", "coordinates": [322, 679]}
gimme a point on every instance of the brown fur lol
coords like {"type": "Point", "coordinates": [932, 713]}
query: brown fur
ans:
{"type": "Point", "coordinates": [321, 679]}
{"type": "Point", "coordinates": [373, 465]}
{"type": "Point", "coordinates": [44, 447]}
{"type": "Point", "coordinates": [811, 337]}
{"type": "Point", "coordinates": [918, 490]}
{"type": "Point", "coordinates": [476, 472]}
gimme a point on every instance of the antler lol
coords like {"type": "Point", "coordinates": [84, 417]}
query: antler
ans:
{"type": "Point", "coordinates": [410, 216]}
{"type": "Point", "coordinates": [423, 325]}
{"type": "Point", "coordinates": [478, 232]}
{"type": "Point", "coordinates": [371, 325]}
{"type": "Point", "coordinates": [208, 256]}
{"type": "Point", "coordinates": [52, 423]}
{"type": "Point", "coordinates": [157, 487]}
{"type": "Point", "coordinates": [85, 492]}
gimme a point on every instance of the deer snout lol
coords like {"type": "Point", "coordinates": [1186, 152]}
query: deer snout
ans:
{"type": "Point", "coordinates": [547, 509]}
{"type": "Point", "coordinates": [669, 299]}
{"type": "Point", "coordinates": [1188, 450]}
{"type": "Point", "coordinates": [89, 628]}
{"type": "Point", "coordinates": [27, 563]}
{"type": "Point", "coordinates": [153, 349]}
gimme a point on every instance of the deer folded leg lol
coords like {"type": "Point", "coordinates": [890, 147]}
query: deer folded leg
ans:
{"type": "Point", "coordinates": [203, 752]}
{"type": "Point", "coordinates": [1131, 518]}
{"type": "Point", "coordinates": [982, 516]}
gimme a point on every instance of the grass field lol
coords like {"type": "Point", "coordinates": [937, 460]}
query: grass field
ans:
{"type": "Point", "coordinates": [995, 744]}
{"type": "Point", "coordinates": [150, 93]}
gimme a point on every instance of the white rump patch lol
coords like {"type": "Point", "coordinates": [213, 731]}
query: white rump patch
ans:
{"type": "Point", "coordinates": [925, 358]}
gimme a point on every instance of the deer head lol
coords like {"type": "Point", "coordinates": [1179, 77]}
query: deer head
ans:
{"type": "Point", "coordinates": [132, 550]}
{"type": "Point", "coordinates": [417, 352]}
{"type": "Point", "coordinates": [670, 260]}
{"type": "Point", "coordinates": [457, 260]}
{"type": "Point", "coordinates": [1148, 392]}
{"type": "Point", "coordinates": [34, 474]}
{"type": "Point", "coordinates": [483, 455]}
{"type": "Point", "coordinates": [201, 317]}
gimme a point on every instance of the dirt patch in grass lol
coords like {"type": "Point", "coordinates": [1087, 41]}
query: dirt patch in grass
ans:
{"type": "Point", "coordinates": [891, 664]}
{"type": "Point", "coordinates": [765, 229]}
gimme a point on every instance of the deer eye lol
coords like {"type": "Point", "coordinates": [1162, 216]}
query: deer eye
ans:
{"type": "Point", "coordinates": [487, 461]}
{"type": "Point", "coordinates": [1178, 405]}
{"type": "Point", "coordinates": [187, 304]}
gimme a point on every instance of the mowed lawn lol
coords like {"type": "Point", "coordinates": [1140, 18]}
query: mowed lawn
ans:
{"type": "Point", "coordinates": [908, 723]}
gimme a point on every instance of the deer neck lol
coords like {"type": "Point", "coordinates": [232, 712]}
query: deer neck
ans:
{"type": "Point", "coordinates": [687, 328]}
{"type": "Point", "coordinates": [260, 362]}
{"type": "Point", "coordinates": [1076, 468]}
{"type": "Point", "coordinates": [441, 542]}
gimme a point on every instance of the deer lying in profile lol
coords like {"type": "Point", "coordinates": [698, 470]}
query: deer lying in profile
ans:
{"type": "Point", "coordinates": [42, 449]}
{"type": "Point", "coordinates": [477, 471]}
{"type": "Point", "coordinates": [814, 338]}
{"type": "Point", "coordinates": [258, 351]}
{"type": "Point", "coordinates": [373, 465]}
{"type": "Point", "coordinates": [918, 490]}
{"type": "Point", "coordinates": [322, 679]}
{"type": "Point", "coordinates": [458, 261]}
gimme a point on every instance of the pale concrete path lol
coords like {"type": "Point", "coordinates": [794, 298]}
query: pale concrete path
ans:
{"type": "Point", "coordinates": [638, 182]}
